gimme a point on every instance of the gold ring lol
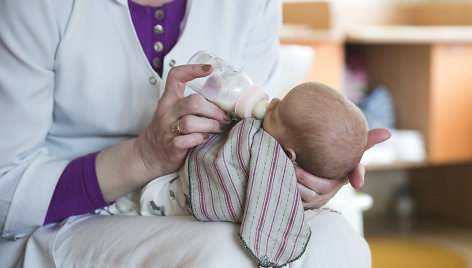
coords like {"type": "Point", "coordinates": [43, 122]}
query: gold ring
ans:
{"type": "Point", "coordinates": [175, 127]}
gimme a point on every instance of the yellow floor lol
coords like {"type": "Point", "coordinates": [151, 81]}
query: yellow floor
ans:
{"type": "Point", "coordinates": [392, 252]}
{"type": "Point", "coordinates": [418, 244]}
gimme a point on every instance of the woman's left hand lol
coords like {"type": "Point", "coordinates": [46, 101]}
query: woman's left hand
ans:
{"type": "Point", "coordinates": [316, 192]}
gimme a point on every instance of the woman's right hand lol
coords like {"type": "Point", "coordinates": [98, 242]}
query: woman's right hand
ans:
{"type": "Point", "coordinates": [157, 151]}
{"type": "Point", "coordinates": [162, 151]}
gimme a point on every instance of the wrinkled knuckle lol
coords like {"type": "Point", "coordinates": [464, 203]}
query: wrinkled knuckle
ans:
{"type": "Point", "coordinates": [172, 73]}
{"type": "Point", "coordinates": [197, 98]}
{"type": "Point", "coordinates": [185, 124]}
{"type": "Point", "coordinates": [197, 139]}
{"type": "Point", "coordinates": [174, 143]}
{"type": "Point", "coordinates": [216, 126]}
{"type": "Point", "coordinates": [324, 191]}
{"type": "Point", "coordinates": [311, 197]}
{"type": "Point", "coordinates": [300, 177]}
{"type": "Point", "coordinates": [193, 103]}
{"type": "Point", "coordinates": [299, 174]}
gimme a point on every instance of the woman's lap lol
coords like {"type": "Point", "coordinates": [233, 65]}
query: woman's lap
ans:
{"type": "Point", "coordinates": [180, 241]}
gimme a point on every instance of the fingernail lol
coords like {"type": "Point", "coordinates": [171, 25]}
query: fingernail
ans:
{"type": "Point", "coordinates": [206, 67]}
{"type": "Point", "coordinates": [206, 136]}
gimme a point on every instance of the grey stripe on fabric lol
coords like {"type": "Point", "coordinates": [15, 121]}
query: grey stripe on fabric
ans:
{"type": "Point", "coordinates": [244, 176]}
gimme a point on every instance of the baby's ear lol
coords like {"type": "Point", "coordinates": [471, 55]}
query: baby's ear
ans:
{"type": "Point", "coordinates": [290, 153]}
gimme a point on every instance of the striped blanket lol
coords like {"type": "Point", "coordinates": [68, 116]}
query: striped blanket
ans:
{"type": "Point", "coordinates": [244, 176]}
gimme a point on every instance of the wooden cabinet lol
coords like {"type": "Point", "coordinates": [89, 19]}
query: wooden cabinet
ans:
{"type": "Point", "coordinates": [431, 84]}
{"type": "Point", "coordinates": [450, 131]}
{"type": "Point", "coordinates": [442, 192]}
{"type": "Point", "coordinates": [310, 24]}
{"type": "Point", "coordinates": [427, 68]}
{"type": "Point", "coordinates": [328, 65]}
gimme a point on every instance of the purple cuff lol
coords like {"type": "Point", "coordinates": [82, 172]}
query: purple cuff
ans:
{"type": "Point", "coordinates": [77, 191]}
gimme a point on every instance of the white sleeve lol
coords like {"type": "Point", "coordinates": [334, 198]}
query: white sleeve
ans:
{"type": "Point", "coordinates": [30, 32]}
{"type": "Point", "coordinates": [261, 56]}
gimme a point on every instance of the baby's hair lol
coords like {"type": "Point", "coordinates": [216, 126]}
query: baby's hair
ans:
{"type": "Point", "coordinates": [327, 131]}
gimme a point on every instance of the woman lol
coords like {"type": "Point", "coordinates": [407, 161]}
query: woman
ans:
{"type": "Point", "coordinates": [87, 104]}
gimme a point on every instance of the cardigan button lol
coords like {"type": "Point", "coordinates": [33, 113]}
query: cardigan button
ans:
{"type": "Point", "coordinates": [158, 29]}
{"type": "Point", "coordinates": [157, 62]}
{"type": "Point", "coordinates": [158, 46]}
{"type": "Point", "coordinates": [152, 80]}
{"type": "Point", "coordinates": [159, 14]}
{"type": "Point", "coordinates": [171, 63]}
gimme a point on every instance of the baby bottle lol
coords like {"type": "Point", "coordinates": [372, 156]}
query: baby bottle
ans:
{"type": "Point", "coordinates": [230, 89]}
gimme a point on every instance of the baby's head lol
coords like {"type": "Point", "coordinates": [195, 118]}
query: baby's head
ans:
{"type": "Point", "coordinates": [319, 128]}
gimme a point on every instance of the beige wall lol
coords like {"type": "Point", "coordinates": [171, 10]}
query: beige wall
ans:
{"type": "Point", "coordinates": [435, 1]}
{"type": "Point", "coordinates": [383, 1]}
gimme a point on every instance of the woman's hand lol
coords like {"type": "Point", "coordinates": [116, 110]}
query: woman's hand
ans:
{"type": "Point", "coordinates": [179, 123]}
{"type": "Point", "coordinates": [316, 192]}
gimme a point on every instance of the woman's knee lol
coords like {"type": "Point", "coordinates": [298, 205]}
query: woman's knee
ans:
{"type": "Point", "coordinates": [334, 243]}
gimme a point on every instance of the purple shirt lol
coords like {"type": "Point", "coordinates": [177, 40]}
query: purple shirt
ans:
{"type": "Point", "coordinates": [77, 191]}
{"type": "Point", "coordinates": [158, 29]}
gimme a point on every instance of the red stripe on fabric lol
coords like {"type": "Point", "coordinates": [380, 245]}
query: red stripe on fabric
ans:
{"type": "Point", "coordinates": [297, 237]}
{"type": "Point", "coordinates": [235, 190]}
{"type": "Point", "coordinates": [209, 149]}
{"type": "Point", "coordinates": [302, 225]}
{"type": "Point", "coordinates": [278, 202]}
{"type": "Point", "coordinates": [251, 186]}
{"type": "Point", "coordinates": [227, 197]}
{"type": "Point", "coordinates": [201, 196]}
{"type": "Point", "coordinates": [239, 149]}
{"type": "Point", "coordinates": [288, 228]}
{"type": "Point", "coordinates": [267, 196]}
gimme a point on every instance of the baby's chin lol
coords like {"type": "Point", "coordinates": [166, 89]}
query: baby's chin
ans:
{"type": "Point", "coordinates": [264, 125]}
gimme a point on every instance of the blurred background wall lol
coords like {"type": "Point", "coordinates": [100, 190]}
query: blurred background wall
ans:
{"type": "Point", "coordinates": [408, 65]}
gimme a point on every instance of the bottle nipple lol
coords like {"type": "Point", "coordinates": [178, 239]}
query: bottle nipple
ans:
{"type": "Point", "coordinates": [252, 102]}
{"type": "Point", "coordinates": [260, 109]}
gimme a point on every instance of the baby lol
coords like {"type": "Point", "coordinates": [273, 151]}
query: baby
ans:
{"type": "Point", "coordinates": [319, 128]}
{"type": "Point", "coordinates": [246, 175]}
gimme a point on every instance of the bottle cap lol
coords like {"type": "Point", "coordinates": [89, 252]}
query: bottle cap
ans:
{"type": "Point", "coordinates": [246, 101]}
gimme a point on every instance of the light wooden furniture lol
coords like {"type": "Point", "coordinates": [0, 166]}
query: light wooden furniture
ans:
{"type": "Point", "coordinates": [317, 15]}
{"type": "Point", "coordinates": [431, 83]}
{"type": "Point", "coordinates": [428, 69]}
{"type": "Point", "coordinates": [311, 24]}
{"type": "Point", "coordinates": [441, 14]}
{"type": "Point", "coordinates": [443, 193]}
{"type": "Point", "coordinates": [429, 74]}
{"type": "Point", "coordinates": [328, 66]}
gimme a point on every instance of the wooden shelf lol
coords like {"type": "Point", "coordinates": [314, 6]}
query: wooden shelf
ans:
{"type": "Point", "coordinates": [409, 34]}
{"type": "Point", "coordinates": [396, 165]}
{"type": "Point", "coordinates": [427, 68]}
{"type": "Point", "coordinates": [304, 33]}
{"type": "Point", "coordinates": [430, 85]}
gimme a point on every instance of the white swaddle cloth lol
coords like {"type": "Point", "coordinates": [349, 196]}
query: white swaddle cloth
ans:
{"type": "Point", "coordinates": [244, 176]}
{"type": "Point", "coordinates": [240, 176]}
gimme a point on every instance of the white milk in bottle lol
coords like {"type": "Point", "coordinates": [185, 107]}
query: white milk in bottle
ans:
{"type": "Point", "coordinates": [230, 89]}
